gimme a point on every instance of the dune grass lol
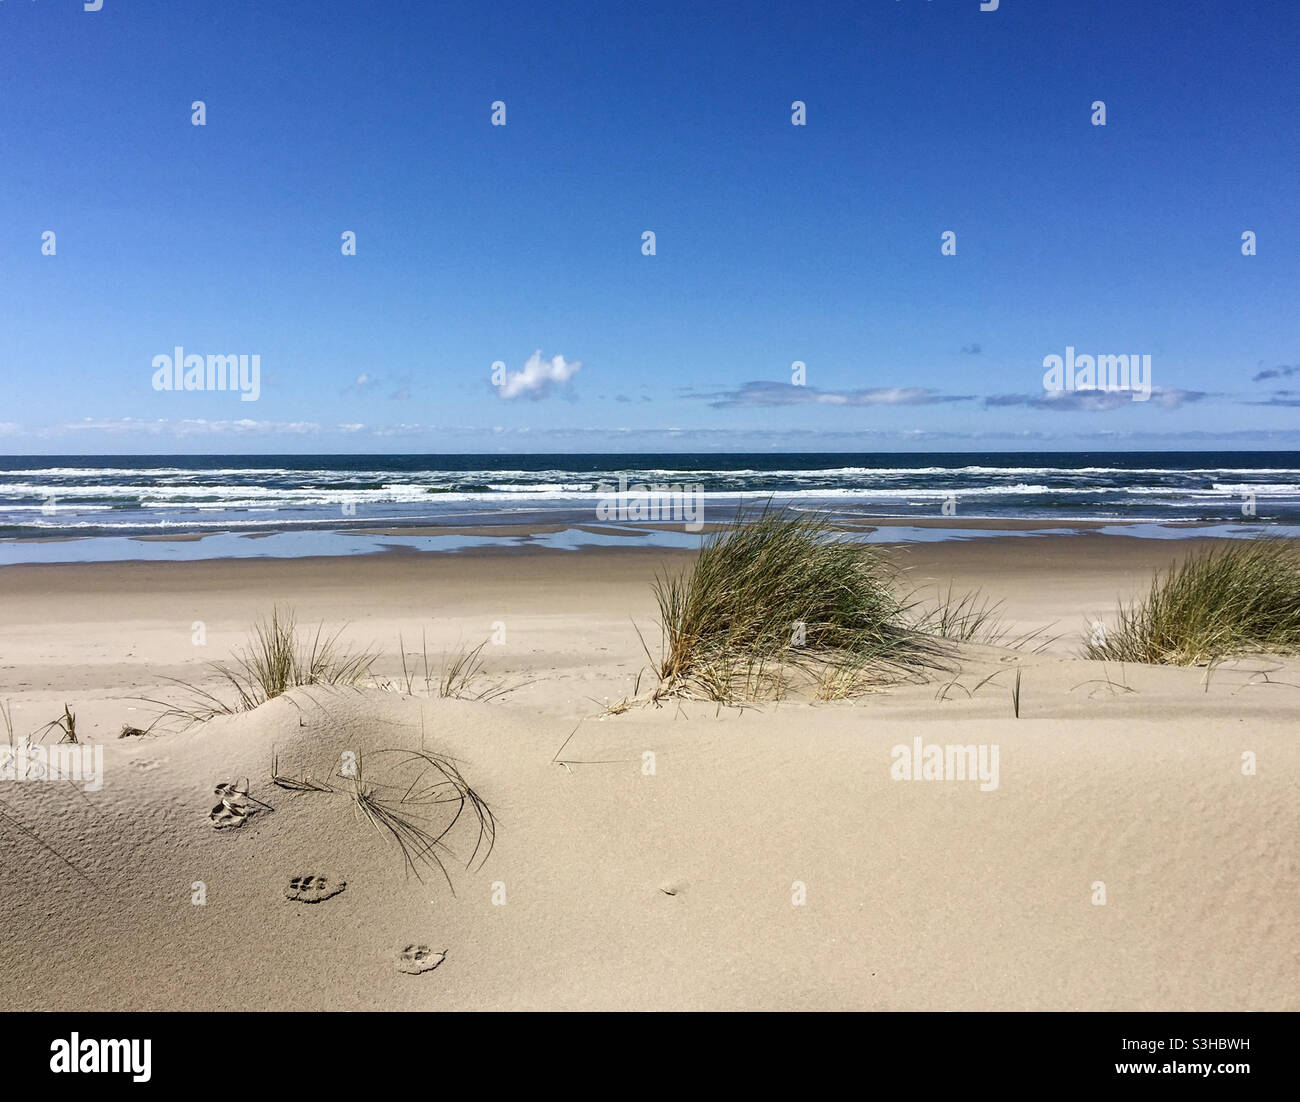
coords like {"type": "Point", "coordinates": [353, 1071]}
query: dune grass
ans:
{"type": "Point", "coordinates": [1241, 598]}
{"type": "Point", "coordinates": [419, 784]}
{"type": "Point", "coordinates": [461, 670]}
{"type": "Point", "coordinates": [275, 659]}
{"type": "Point", "coordinates": [66, 723]}
{"type": "Point", "coordinates": [969, 617]}
{"type": "Point", "coordinates": [973, 617]}
{"type": "Point", "coordinates": [460, 676]}
{"type": "Point", "coordinates": [401, 810]}
{"type": "Point", "coordinates": [776, 598]}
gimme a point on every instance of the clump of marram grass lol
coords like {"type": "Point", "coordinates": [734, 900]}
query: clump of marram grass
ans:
{"type": "Point", "coordinates": [972, 617]}
{"type": "Point", "coordinates": [967, 617]}
{"type": "Point", "coordinates": [1243, 597]}
{"type": "Point", "coordinates": [424, 798]}
{"type": "Point", "coordinates": [461, 676]}
{"type": "Point", "coordinates": [67, 723]}
{"type": "Point", "coordinates": [776, 599]}
{"type": "Point", "coordinates": [460, 673]}
{"type": "Point", "coordinates": [403, 810]}
{"type": "Point", "coordinates": [275, 660]}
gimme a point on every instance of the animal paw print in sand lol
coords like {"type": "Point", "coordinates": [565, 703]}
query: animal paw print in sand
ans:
{"type": "Point", "coordinates": [415, 960]}
{"type": "Point", "coordinates": [313, 889]}
{"type": "Point", "coordinates": [236, 806]}
{"type": "Point", "coordinates": [229, 814]}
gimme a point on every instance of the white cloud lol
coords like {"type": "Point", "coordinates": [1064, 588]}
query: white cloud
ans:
{"type": "Point", "coordinates": [766, 393]}
{"type": "Point", "coordinates": [183, 428]}
{"type": "Point", "coordinates": [539, 376]}
{"type": "Point", "coordinates": [1093, 400]}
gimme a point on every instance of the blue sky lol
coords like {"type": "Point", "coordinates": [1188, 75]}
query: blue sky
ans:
{"type": "Point", "coordinates": [774, 243]}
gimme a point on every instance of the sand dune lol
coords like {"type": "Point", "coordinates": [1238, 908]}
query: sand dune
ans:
{"type": "Point", "coordinates": [614, 885]}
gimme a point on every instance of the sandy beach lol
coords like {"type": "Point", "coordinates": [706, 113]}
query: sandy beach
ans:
{"type": "Point", "coordinates": [684, 856]}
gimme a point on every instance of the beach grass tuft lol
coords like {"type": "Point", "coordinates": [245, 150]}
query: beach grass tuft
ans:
{"type": "Point", "coordinates": [459, 677]}
{"type": "Point", "coordinates": [972, 617]}
{"type": "Point", "coordinates": [968, 617]}
{"type": "Point", "coordinates": [66, 723]}
{"type": "Point", "coordinates": [1241, 598]}
{"type": "Point", "coordinates": [419, 783]}
{"type": "Point", "coordinates": [777, 597]}
{"type": "Point", "coordinates": [275, 659]}
{"type": "Point", "coordinates": [403, 810]}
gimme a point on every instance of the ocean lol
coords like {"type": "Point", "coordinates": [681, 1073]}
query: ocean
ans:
{"type": "Point", "coordinates": [70, 508]}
